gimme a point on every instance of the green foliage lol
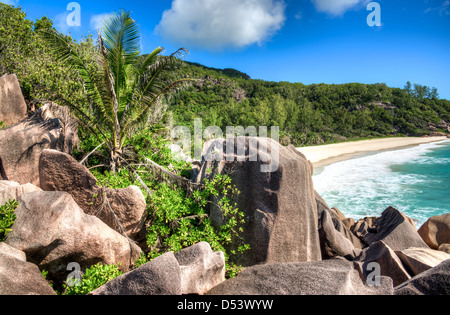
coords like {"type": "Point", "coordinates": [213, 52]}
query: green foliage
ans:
{"type": "Point", "coordinates": [3, 125]}
{"type": "Point", "coordinates": [7, 218]}
{"type": "Point", "coordinates": [179, 221]}
{"type": "Point", "coordinates": [92, 279]}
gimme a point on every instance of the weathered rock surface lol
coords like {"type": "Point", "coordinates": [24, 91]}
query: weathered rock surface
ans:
{"type": "Point", "coordinates": [445, 248]}
{"type": "Point", "coordinates": [54, 231]}
{"type": "Point", "coordinates": [5, 249]}
{"type": "Point", "coordinates": [332, 242]}
{"type": "Point", "coordinates": [336, 239]}
{"type": "Point", "coordinates": [161, 276]}
{"type": "Point", "coordinates": [418, 260]}
{"type": "Point", "coordinates": [21, 144]}
{"type": "Point", "coordinates": [14, 191]}
{"type": "Point", "coordinates": [330, 277]}
{"type": "Point", "coordinates": [395, 230]}
{"type": "Point", "coordinates": [120, 209]}
{"type": "Point", "coordinates": [435, 281]}
{"type": "Point", "coordinates": [436, 231]}
{"type": "Point", "coordinates": [389, 264]}
{"type": "Point", "coordinates": [277, 198]}
{"type": "Point", "coordinates": [201, 268]}
{"type": "Point", "coordinates": [18, 277]}
{"type": "Point", "coordinates": [12, 105]}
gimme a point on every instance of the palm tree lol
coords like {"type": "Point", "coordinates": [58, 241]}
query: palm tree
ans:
{"type": "Point", "coordinates": [124, 90]}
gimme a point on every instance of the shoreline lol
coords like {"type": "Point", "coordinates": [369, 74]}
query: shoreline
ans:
{"type": "Point", "coordinates": [323, 155]}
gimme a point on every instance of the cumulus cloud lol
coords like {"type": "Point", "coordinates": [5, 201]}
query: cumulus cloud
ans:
{"type": "Point", "coordinates": [98, 19]}
{"type": "Point", "coordinates": [216, 24]}
{"type": "Point", "coordinates": [336, 7]}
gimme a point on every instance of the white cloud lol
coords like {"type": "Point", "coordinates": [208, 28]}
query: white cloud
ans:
{"type": "Point", "coordinates": [216, 24]}
{"type": "Point", "coordinates": [336, 7]}
{"type": "Point", "coordinates": [98, 19]}
{"type": "Point", "coordinates": [10, 2]}
{"type": "Point", "coordinates": [443, 9]}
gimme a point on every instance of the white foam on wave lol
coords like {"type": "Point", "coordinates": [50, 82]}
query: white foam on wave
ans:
{"type": "Point", "coordinates": [365, 186]}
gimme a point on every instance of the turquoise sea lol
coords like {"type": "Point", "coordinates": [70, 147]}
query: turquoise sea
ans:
{"type": "Point", "coordinates": [414, 180]}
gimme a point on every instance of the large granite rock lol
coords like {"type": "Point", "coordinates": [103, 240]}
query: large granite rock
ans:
{"type": "Point", "coordinates": [121, 209]}
{"type": "Point", "coordinates": [330, 277]}
{"type": "Point", "coordinates": [277, 198]}
{"type": "Point", "coordinates": [12, 190]}
{"type": "Point", "coordinates": [434, 281]}
{"type": "Point", "coordinates": [18, 277]}
{"type": "Point", "coordinates": [418, 260]}
{"type": "Point", "coordinates": [396, 230]}
{"type": "Point", "coordinates": [54, 231]}
{"type": "Point", "coordinates": [201, 268]}
{"type": "Point", "coordinates": [436, 231]}
{"type": "Point", "coordinates": [385, 259]}
{"type": "Point", "coordinates": [332, 242]}
{"type": "Point", "coordinates": [12, 105]}
{"type": "Point", "coordinates": [337, 219]}
{"type": "Point", "coordinates": [21, 144]}
{"type": "Point", "coordinates": [161, 276]}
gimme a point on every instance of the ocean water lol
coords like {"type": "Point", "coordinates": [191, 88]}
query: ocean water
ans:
{"type": "Point", "coordinates": [415, 180]}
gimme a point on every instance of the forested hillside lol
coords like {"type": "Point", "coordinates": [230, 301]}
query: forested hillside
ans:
{"type": "Point", "coordinates": [309, 114]}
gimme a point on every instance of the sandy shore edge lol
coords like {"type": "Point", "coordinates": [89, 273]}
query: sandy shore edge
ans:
{"type": "Point", "coordinates": [332, 153]}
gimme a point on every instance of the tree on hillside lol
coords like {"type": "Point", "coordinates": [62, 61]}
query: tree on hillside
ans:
{"type": "Point", "coordinates": [124, 90]}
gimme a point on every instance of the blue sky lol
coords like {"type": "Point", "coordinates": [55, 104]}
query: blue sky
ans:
{"type": "Point", "coordinates": [308, 41]}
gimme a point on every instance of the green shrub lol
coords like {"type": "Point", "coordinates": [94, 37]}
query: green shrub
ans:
{"type": "Point", "coordinates": [7, 218]}
{"type": "Point", "coordinates": [179, 221]}
{"type": "Point", "coordinates": [94, 277]}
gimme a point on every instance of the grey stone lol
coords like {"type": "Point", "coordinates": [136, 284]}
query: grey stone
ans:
{"type": "Point", "coordinates": [12, 105]}
{"type": "Point", "coordinates": [330, 277]}
{"type": "Point", "coordinates": [201, 268]}
{"type": "Point", "coordinates": [387, 261]}
{"type": "Point", "coordinates": [277, 198]}
{"type": "Point", "coordinates": [18, 277]}
{"type": "Point", "coordinates": [54, 231]}
{"type": "Point", "coordinates": [418, 260]}
{"type": "Point", "coordinates": [435, 281]}
{"type": "Point", "coordinates": [161, 276]}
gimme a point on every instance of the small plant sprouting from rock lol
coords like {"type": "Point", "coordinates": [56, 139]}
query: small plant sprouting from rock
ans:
{"type": "Point", "coordinates": [7, 218]}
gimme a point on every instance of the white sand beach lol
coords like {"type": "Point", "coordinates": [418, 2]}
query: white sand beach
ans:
{"type": "Point", "coordinates": [332, 153]}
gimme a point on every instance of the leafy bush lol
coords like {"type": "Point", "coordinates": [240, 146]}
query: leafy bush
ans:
{"type": "Point", "coordinates": [92, 279]}
{"type": "Point", "coordinates": [179, 221]}
{"type": "Point", "coordinates": [7, 218]}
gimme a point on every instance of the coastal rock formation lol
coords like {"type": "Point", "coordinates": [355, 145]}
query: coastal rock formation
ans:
{"type": "Point", "coordinates": [13, 190]}
{"type": "Point", "coordinates": [418, 260]}
{"type": "Point", "coordinates": [277, 197]}
{"type": "Point", "coordinates": [330, 277]}
{"type": "Point", "coordinates": [436, 231]}
{"type": "Point", "coordinates": [54, 231]}
{"type": "Point", "coordinates": [12, 105]}
{"type": "Point", "coordinates": [121, 209]}
{"type": "Point", "coordinates": [332, 242]}
{"type": "Point", "coordinates": [435, 281]}
{"type": "Point", "coordinates": [336, 239]}
{"type": "Point", "coordinates": [396, 230]}
{"type": "Point", "coordinates": [201, 268]}
{"type": "Point", "coordinates": [18, 277]}
{"type": "Point", "coordinates": [161, 276]}
{"type": "Point", "coordinates": [21, 144]}
{"type": "Point", "coordinates": [385, 259]}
